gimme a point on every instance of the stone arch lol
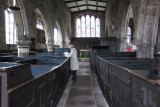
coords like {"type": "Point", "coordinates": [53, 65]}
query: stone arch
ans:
{"type": "Point", "coordinates": [24, 18]}
{"type": "Point", "coordinates": [40, 17]}
{"type": "Point", "coordinates": [48, 28]}
{"type": "Point", "coordinates": [123, 27]}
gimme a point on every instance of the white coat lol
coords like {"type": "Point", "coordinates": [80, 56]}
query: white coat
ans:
{"type": "Point", "coordinates": [74, 64]}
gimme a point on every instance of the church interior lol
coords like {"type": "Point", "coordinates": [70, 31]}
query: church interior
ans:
{"type": "Point", "coordinates": [117, 43]}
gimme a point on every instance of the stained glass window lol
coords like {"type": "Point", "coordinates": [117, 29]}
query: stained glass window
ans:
{"type": "Point", "coordinates": [78, 23]}
{"type": "Point", "coordinates": [97, 27]}
{"type": "Point", "coordinates": [83, 24]}
{"type": "Point", "coordinates": [87, 26]}
{"type": "Point", "coordinates": [92, 26]}
{"type": "Point", "coordinates": [10, 27]}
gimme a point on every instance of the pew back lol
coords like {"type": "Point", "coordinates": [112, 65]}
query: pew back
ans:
{"type": "Point", "coordinates": [44, 90]}
{"type": "Point", "coordinates": [122, 87]}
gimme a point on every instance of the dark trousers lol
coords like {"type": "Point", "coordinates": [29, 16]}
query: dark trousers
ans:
{"type": "Point", "coordinates": [74, 77]}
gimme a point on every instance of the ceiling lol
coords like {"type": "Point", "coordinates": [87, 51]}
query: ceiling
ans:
{"type": "Point", "coordinates": [79, 5]}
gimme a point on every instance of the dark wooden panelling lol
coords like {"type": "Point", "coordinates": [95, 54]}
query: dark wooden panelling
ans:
{"type": "Point", "coordinates": [42, 91]}
{"type": "Point", "coordinates": [84, 43]}
{"type": "Point", "coordinates": [123, 88]}
{"type": "Point", "coordinates": [0, 91]}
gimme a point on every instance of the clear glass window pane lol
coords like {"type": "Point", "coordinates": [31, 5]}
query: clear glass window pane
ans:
{"type": "Point", "coordinates": [78, 23]}
{"type": "Point", "coordinates": [11, 38]}
{"type": "Point", "coordinates": [39, 25]}
{"type": "Point", "coordinates": [92, 26]}
{"type": "Point", "coordinates": [10, 28]}
{"type": "Point", "coordinates": [7, 38]}
{"type": "Point", "coordinates": [55, 36]}
{"type": "Point", "coordinates": [97, 27]}
{"type": "Point", "coordinates": [87, 26]}
{"type": "Point", "coordinates": [15, 35]}
{"type": "Point", "coordinates": [11, 18]}
{"type": "Point", "coordinates": [7, 27]}
{"type": "Point", "coordinates": [83, 26]}
{"type": "Point", "coordinates": [128, 31]}
{"type": "Point", "coordinates": [6, 16]}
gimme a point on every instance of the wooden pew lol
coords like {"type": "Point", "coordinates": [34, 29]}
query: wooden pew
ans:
{"type": "Point", "coordinates": [123, 87]}
{"type": "Point", "coordinates": [44, 89]}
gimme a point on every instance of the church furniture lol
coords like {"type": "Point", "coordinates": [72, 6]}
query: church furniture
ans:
{"type": "Point", "coordinates": [124, 82]}
{"type": "Point", "coordinates": [33, 85]}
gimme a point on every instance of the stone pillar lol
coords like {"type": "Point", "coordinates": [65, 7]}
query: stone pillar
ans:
{"type": "Point", "coordinates": [23, 48]}
{"type": "Point", "coordinates": [123, 45]}
{"type": "Point", "coordinates": [50, 47]}
{"type": "Point", "coordinates": [62, 45]}
{"type": "Point", "coordinates": [158, 38]}
{"type": "Point", "coordinates": [146, 28]}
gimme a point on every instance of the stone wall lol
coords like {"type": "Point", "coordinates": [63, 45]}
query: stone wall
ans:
{"type": "Point", "coordinates": [145, 14]}
{"type": "Point", "coordinates": [52, 11]}
{"type": "Point", "coordinates": [2, 25]}
{"type": "Point", "coordinates": [100, 15]}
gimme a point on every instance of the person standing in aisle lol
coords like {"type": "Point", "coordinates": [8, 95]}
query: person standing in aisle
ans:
{"type": "Point", "coordinates": [74, 64]}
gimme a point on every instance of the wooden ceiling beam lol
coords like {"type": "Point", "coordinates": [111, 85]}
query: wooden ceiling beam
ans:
{"type": "Point", "coordinates": [87, 1]}
{"type": "Point", "coordinates": [96, 4]}
{"type": "Point", "coordinates": [85, 5]}
{"type": "Point", "coordinates": [77, 5]}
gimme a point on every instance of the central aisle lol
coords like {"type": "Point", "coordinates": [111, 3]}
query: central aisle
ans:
{"type": "Point", "coordinates": [84, 92]}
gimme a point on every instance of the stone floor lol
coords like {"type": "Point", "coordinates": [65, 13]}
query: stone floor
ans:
{"type": "Point", "coordinates": [84, 92]}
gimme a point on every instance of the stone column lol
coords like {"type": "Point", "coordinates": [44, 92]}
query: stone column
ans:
{"type": "Point", "coordinates": [50, 47]}
{"type": "Point", "coordinates": [63, 44]}
{"type": "Point", "coordinates": [123, 45]}
{"type": "Point", "coordinates": [158, 38]}
{"type": "Point", "coordinates": [146, 28]}
{"type": "Point", "coordinates": [23, 48]}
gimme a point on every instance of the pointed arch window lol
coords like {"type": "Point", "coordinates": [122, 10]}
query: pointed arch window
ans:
{"type": "Point", "coordinates": [83, 24]}
{"type": "Point", "coordinates": [92, 26]}
{"type": "Point", "coordinates": [55, 36]}
{"type": "Point", "coordinates": [97, 27]}
{"type": "Point", "coordinates": [128, 35]}
{"type": "Point", "coordinates": [78, 24]}
{"type": "Point", "coordinates": [10, 27]}
{"type": "Point", "coordinates": [88, 26]}
{"type": "Point", "coordinates": [39, 24]}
